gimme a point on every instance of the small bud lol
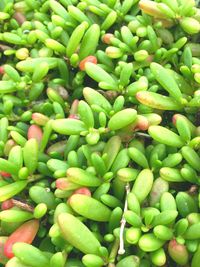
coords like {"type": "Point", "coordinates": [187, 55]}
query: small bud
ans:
{"type": "Point", "coordinates": [178, 252]}
{"type": "Point", "coordinates": [74, 107]}
{"type": "Point", "coordinates": [8, 145]}
{"type": "Point", "coordinates": [20, 18]}
{"type": "Point", "coordinates": [158, 257]}
{"type": "Point", "coordinates": [73, 116]}
{"type": "Point", "coordinates": [74, 60]}
{"type": "Point", "coordinates": [197, 77]}
{"type": "Point", "coordinates": [141, 55]}
{"type": "Point", "coordinates": [55, 45]}
{"type": "Point", "coordinates": [83, 191]}
{"type": "Point", "coordinates": [190, 25]}
{"type": "Point", "coordinates": [133, 235]}
{"type": "Point", "coordinates": [35, 131]}
{"type": "Point", "coordinates": [142, 123]}
{"type": "Point", "coordinates": [134, 25]}
{"type": "Point", "coordinates": [40, 119]}
{"type": "Point", "coordinates": [22, 53]}
{"type": "Point", "coordinates": [114, 52]}
{"type": "Point", "coordinates": [7, 204]}
{"type": "Point", "coordinates": [2, 70]}
{"type": "Point", "coordinates": [153, 118]}
{"type": "Point", "coordinates": [193, 218]}
{"type": "Point", "coordinates": [174, 118]}
{"type": "Point", "coordinates": [195, 68]}
{"type": "Point", "coordinates": [106, 38]}
{"type": "Point", "coordinates": [141, 31]}
{"type": "Point", "coordinates": [65, 184]}
{"type": "Point", "coordinates": [62, 183]}
{"type": "Point", "coordinates": [5, 174]}
{"type": "Point", "coordinates": [91, 59]}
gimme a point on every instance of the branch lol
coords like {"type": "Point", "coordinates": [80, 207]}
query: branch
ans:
{"type": "Point", "coordinates": [121, 250]}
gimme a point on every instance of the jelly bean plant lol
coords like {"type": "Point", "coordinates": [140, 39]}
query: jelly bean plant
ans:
{"type": "Point", "coordinates": [99, 133]}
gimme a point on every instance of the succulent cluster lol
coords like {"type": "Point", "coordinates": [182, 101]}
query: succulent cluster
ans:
{"type": "Point", "coordinates": [99, 133]}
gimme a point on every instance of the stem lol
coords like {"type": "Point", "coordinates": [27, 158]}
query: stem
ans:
{"type": "Point", "coordinates": [22, 205]}
{"type": "Point", "coordinates": [121, 250]}
{"type": "Point", "coordinates": [113, 252]}
{"type": "Point", "coordinates": [4, 47]}
{"type": "Point", "coordinates": [143, 134]}
{"type": "Point", "coordinates": [35, 177]}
